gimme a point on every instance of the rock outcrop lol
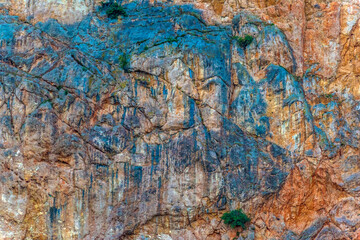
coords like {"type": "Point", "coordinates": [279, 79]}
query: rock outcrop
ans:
{"type": "Point", "coordinates": [153, 125]}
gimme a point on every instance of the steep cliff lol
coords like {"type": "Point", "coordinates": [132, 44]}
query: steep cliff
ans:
{"type": "Point", "coordinates": [151, 126]}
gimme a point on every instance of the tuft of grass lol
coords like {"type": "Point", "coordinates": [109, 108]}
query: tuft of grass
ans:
{"type": "Point", "coordinates": [171, 40]}
{"type": "Point", "coordinates": [47, 101]}
{"type": "Point", "coordinates": [244, 41]}
{"type": "Point", "coordinates": [329, 96]}
{"type": "Point", "coordinates": [122, 85]}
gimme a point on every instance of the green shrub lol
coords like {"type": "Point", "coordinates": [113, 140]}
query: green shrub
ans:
{"type": "Point", "coordinates": [235, 218]}
{"type": "Point", "coordinates": [328, 96]}
{"type": "Point", "coordinates": [244, 41]}
{"type": "Point", "coordinates": [124, 61]}
{"type": "Point", "coordinates": [113, 10]}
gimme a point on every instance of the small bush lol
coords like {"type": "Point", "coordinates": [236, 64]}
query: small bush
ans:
{"type": "Point", "coordinates": [235, 218]}
{"type": "Point", "coordinates": [328, 96]}
{"type": "Point", "coordinates": [244, 41]}
{"type": "Point", "coordinates": [124, 62]}
{"type": "Point", "coordinates": [113, 10]}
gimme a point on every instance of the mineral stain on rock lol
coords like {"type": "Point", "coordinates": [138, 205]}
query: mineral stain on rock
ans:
{"type": "Point", "coordinates": [152, 125]}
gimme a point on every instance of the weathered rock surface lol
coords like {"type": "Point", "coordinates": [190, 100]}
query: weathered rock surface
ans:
{"type": "Point", "coordinates": [153, 125]}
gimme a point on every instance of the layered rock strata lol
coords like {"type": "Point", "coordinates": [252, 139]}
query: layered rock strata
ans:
{"type": "Point", "coordinates": [153, 125]}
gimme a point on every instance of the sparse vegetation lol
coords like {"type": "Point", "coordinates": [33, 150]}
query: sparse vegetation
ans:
{"type": "Point", "coordinates": [244, 41]}
{"type": "Point", "coordinates": [47, 101]}
{"type": "Point", "coordinates": [124, 61]}
{"type": "Point", "coordinates": [113, 10]}
{"type": "Point", "coordinates": [171, 40]}
{"type": "Point", "coordinates": [59, 87]}
{"type": "Point", "coordinates": [328, 96]}
{"type": "Point", "coordinates": [235, 218]}
{"type": "Point", "coordinates": [122, 85]}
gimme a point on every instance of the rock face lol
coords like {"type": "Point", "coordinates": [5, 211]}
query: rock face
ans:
{"type": "Point", "coordinates": [66, 11]}
{"type": "Point", "coordinates": [153, 125]}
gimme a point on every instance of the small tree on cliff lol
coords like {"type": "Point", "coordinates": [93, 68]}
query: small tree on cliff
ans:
{"type": "Point", "coordinates": [113, 10]}
{"type": "Point", "coordinates": [235, 218]}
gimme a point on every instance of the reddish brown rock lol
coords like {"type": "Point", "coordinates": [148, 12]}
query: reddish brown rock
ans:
{"type": "Point", "coordinates": [155, 124]}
